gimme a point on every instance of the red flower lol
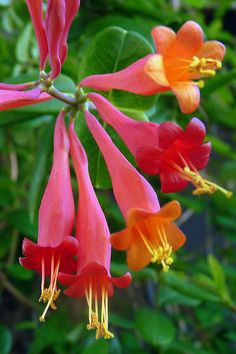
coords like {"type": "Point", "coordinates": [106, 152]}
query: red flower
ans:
{"type": "Point", "coordinates": [181, 58]}
{"type": "Point", "coordinates": [166, 149]}
{"type": "Point", "coordinates": [55, 249]}
{"type": "Point", "coordinates": [150, 235]}
{"type": "Point", "coordinates": [93, 279]}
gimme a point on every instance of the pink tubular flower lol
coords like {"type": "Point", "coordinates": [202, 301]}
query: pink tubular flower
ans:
{"type": "Point", "coordinates": [166, 149]}
{"type": "Point", "coordinates": [181, 59]}
{"type": "Point", "coordinates": [72, 7]}
{"type": "Point", "coordinates": [55, 23]}
{"type": "Point", "coordinates": [11, 98]}
{"type": "Point", "coordinates": [150, 235]}
{"type": "Point", "coordinates": [36, 12]}
{"type": "Point", "coordinates": [93, 278]}
{"type": "Point", "coordinates": [55, 249]}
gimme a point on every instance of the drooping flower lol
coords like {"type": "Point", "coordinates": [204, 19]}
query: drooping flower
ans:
{"type": "Point", "coordinates": [93, 279]}
{"type": "Point", "coordinates": [36, 13]}
{"type": "Point", "coordinates": [181, 59]}
{"type": "Point", "coordinates": [178, 157]}
{"type": "Point", "coordinates": [165, 149]}
{"type": "Point", "coordinates": [12, 98]}
{"type": "Point", "coordinates": [55, 249]}
{"type": "Point", "coordinates": [150, 235]}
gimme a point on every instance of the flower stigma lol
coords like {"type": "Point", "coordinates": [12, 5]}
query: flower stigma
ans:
{"type": "Point", "coordinates": [101, 326]}
{"type": "Point", "coordinates": [51, 293]}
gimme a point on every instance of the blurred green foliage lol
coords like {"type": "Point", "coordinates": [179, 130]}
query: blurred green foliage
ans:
{"type": "Point", "coordinates": [189, 310]}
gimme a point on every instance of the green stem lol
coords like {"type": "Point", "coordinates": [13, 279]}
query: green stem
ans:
{"type": "Point", "coordinates": [61, 96]}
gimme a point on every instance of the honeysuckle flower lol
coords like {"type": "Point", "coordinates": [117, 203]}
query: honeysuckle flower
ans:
{"type": "Point", "coordinates": [178, 157]}
{"type": "Point", "coordinates": [72, 7]}
{"type": "Point", "coordinates": [16, 87]}
{"type": "Point", "coordinates": [166, 149]}
{"type": "Point", "coordinates": [150, 235]}
{"type": "Point", "coordinates": [36, 13]}
{"type": "Point", "coordinates": [55, 249]}
{"type": "Point", "coordinates": [93, 279]}
{"type": "Point", "coordinates": [12, 98]}
{"type": "Point", "coordinates": [55, 23]}
{"type": "Point", "coordinates": [181, 59]}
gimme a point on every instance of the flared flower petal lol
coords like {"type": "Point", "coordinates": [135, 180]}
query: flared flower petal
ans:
{"type": "Point", "coordinates": [188, 96]}
{"type": "Point", "coordinates": [212, 49]}
{"type": "Point", "coordinates": [163, 38]}
{"type": "Point", "coordinates": [55, 24]}
{"type": "Point", "coordinates": [36, 13]}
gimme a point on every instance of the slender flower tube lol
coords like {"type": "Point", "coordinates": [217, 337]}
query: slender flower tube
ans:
{"type": "Point", "coordinates": [181, 59]}
{"type": "Point", "coordinates": [36, 12]}
{"type": "Point", "coordinates": [93, 279]}
{"type": "Point", "coordinates": [12, 99]}
{"type": "Point", "coordinates": [150, 235]}
{"type": "Point", "coordinates": [16, 87]}
{"type": "Point", "coordinates": [72, 7]}
{"type": "Point", "coordinates": [166, 149]}
{"type": "Point", "coordinates": [55, 249]}
{"type": "Point", "coordinates": [55, 24]}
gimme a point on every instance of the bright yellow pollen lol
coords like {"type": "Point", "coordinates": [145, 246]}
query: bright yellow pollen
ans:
{"type": "Point", "coordinates": [51, 293]}
{"type": "Point", "coordinates": [205, 66]}
{"type": "Point", "coordinates": [101, 326]}
{"type": "Point", "coordinates": [203, 185]}
{"type": "Point", "coordinates": [161, 253]}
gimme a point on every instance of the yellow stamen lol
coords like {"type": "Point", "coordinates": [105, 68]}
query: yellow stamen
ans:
{"type": "Point", "coordinates": [51, 293]}
{"type": "Point", "coordinates": [161, 252]}
{"type": "Point", "coordinates": [203, 185]}
{"type": "Point", "coordinates": [101, 325]}
{"type": "Point", "coordinates": [204, 66]}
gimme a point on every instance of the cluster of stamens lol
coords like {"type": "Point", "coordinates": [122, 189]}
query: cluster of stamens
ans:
{"type": "Point", "coordinates": [203, 186]}
{"type": "Point", "coordinates": [50, 294]}
{"type": "Point", "coordinates": [159, 248]}
{"type": "Point", "coordinates": [101, 326]}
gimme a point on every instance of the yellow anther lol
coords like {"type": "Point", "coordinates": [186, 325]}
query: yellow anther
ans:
{"type": "Point", "coordinates": [205, 66]}
{"type": "Point", "coordinates": [203, 186]}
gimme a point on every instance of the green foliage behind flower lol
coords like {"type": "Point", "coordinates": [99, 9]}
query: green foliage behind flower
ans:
{"type": "Point", "coordinates": [192, 308]}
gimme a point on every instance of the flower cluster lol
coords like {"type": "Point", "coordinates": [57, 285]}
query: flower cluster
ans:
{"type": "Point", "coordinates": [81, 263]}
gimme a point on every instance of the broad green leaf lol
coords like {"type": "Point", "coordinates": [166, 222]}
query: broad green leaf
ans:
{"type": "Point", "coordinates": [111, 50]}
{"type": "Point", "coordinates": [120, 321]}
{"type": "Point", "coordinates": [168, 296]}
{"type": "Point", "coordinates": [154, 327]}
{"type": "Point", "coordinates": [5, 340]}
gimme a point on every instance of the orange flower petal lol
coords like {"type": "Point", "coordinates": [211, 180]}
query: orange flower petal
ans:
{"type": "Point", "coordinates": [212, 49]}
{"type": "Point", "coordinates": [154, 68]}
{"type": "Point", "coordinates": [188, 96]}
{"type": "Point", "coordinates": [135, 215]}
{"type": "Point", "coordinates": [163, 37]}
{"type": "Point", "coordinates": [189, 40]}
{"type": "Point", "coordinates": [174, 236]}
{"type": "Point", "coordinates": [170, 211]}
{"type": "Point", "coordinates": [138, 255]}
{"type": "Point", "coordinates": [121, 240]}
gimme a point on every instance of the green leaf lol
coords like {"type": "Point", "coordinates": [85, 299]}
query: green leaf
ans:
{"type": "Point", "coordinates": [98, 347]}
{"type": "Point", "coordinates": [17, 272]}
{"type": "Point", "coordinates": [41, 163]}
{"type": "Point", "coordinates": [5, 340]}
{"type": "Point", "coordinates": [218, 81]}
{"type": "Point", "coordinates": [23, 44]}
{"type": "Point", "coordinates": [167, 296]}
{"type": "Point", "coordinates": [111, 50]}
{"type": "Point", "coordinates": [216, 271]}
{"type": "Point", "coordinates": [154, 327]}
